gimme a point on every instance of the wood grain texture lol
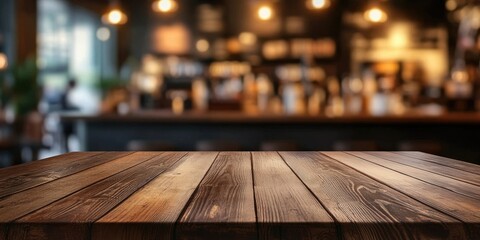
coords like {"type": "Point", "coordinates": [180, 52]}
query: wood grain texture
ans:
{"type": "Point", "coordinates": [240, 195]}
{"type": "Point", "coordinates": [456, 205]}
{"type": "Point", "coordinates": [22, 177]}
{"type": "Point", "coordinates": [18, 205]}
{"type": "Point", "coordinates": [44, 164]}
{"type": "Point", "coordinates": [286, 209]}
{"type": "Point", "coordinates": [77, 211]}
{"type": "Point", "coordinates": [443, 170]}
{"type": "Point", "coordinates": [367, 209]}
{"type": "Point", "coordinates": [461, 165]}
{"type": "Point", "coordinates": [454, 185]}
{"type": "Point", "coordinates": [223, 206]}
{"type": "Point", "coordinates": [152, 211]}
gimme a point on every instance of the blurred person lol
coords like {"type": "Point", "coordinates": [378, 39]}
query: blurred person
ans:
{"type": "Point", "coordinates": [65, 98]}
{"type": "Point", "coordinates": [66, 105]}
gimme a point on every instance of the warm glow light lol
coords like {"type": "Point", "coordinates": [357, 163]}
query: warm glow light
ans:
{"type": "Point", "coordinates": [103, 34]}
{"type": "Point", "coordinates": [178, 105]}
{"type": "Point", "coordinates": [202, 45]}
{"type": "Point", "coordinates": [451, 5]}
{"type": "Point", "coordinates": [3, 61]}
{"type": "Point", "coordinates": [376, 15]}
{"type": "Point", "coordinates": [460, 75]}
{"type": "Point", "coordinates": [171, 39]}
{"type": "Point", "coordinates": [318, 4]}
{"type": "Point", "coordinates": [247, 38]}
{"type": "Point", "coordinates": [399, 36]}
{"type": "Point", "coordinates": [164, 6]}
{"type": "Point", "coordinates": [265, 12]}
{"type": "Point", "coordinates": [114, 17]}
{"type": "Point", "coordinates": [148, 83]}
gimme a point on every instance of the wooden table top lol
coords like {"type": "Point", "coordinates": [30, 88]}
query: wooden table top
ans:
{"type": "Point", "coordinates": [241, 195]}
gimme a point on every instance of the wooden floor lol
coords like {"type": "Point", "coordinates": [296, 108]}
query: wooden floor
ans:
{"type": "Point", "coordinates": [241, 195]}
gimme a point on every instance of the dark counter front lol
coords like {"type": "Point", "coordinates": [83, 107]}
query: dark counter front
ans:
{"type": "Point", "coordinates": [458, 134]}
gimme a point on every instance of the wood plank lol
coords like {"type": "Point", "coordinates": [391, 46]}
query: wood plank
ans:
{"type": "Point", "coordinates": [15, 206]}
{"type": "Point", "coordinates": [367, 209]}
{"type": "Point", "coordinates": [456, 205]}
{"type": "Point", "coordinates": [45, 164]}
{"type": "Point", "coordinates": [152, 211]}
{"type": "Point", "coordinates": [22, 177]}
{"type": "Point", "coordinates": [454, 185]}
{"type": "Point", "coordinates": [286, 209]}
{"type": "Point", "coordinates": [461, 165]}
{"type": "Point", "coordinates": [431, 167]}
{"type": "Point", "coordinates": [76, 212]}
{"type": "Point", "coordinates": [223, 207]}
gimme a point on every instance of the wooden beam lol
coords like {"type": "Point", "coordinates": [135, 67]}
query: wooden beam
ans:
{"type": "Point", "coordinates": [26, 26]}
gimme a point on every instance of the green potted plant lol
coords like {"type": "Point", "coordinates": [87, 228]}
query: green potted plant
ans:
{"type": "Point", "coordinates": [24, 92]}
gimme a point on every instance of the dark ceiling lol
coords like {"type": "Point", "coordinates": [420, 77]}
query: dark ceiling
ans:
{"type": "Point", "coordinates": [430, 12]}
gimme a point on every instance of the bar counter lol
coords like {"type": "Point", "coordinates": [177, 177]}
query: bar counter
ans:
{"type": "Point", "coordinates": [457, 133]}
{"type": "Point", "coordinates": [239, 117]}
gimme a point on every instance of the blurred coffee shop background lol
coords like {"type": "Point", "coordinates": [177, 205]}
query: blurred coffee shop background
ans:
{"type": "Point", "coordinates": [91, 75]}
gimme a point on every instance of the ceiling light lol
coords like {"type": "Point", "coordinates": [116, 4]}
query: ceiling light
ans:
{"type": "Point", "coordinates": [376, 15]}
{"type": "Point", "coordinates": [318, 4]}
{"type": "Point", "coordinates": [114, 16]}
{"type": "Point", "coordinates": [265, 12]}
{"type": "Point", "coordinates": [164, 6]}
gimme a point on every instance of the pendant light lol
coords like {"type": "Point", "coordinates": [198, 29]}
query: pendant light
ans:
{"type": "Point", "coordinates": [164, 6]}
{"type": "Point", "coordinates": [318, 4]}
{"type": "Point", "coordinates": [375, 14]}
{"type": "Point", "coordinates": [114, 14]}
{"type": "Point", "coordinates": [265, 12]}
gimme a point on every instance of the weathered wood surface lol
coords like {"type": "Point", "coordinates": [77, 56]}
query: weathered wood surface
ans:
{"type": "Point", "coordinates": [224, 198]}
{"type": "Point", "coordinates": [241, 195]}
{"type": "Point", "coordinates": [366, 207]}
{"type": "Point", "coordinates": [285, 207]}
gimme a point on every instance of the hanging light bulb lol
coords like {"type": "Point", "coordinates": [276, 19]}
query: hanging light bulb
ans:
{"type": "Point", "coordinates": [265, 12]}
{"type": "Point", "coordinates": [318, 4]}
{"type": "Point", "coordinates": [164, 6]}
{"type": "Point", "coordinates": [114, 16]}
{"type": "Point", "coordinates": [3, 61]}
{"type": "Point", "coordinates": [376, 15]}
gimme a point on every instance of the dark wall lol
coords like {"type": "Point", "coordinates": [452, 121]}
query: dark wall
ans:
{"type": "Point", "coordinates": [143, 21]}
{"type": "Point", "coordinates": [240, 16]}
